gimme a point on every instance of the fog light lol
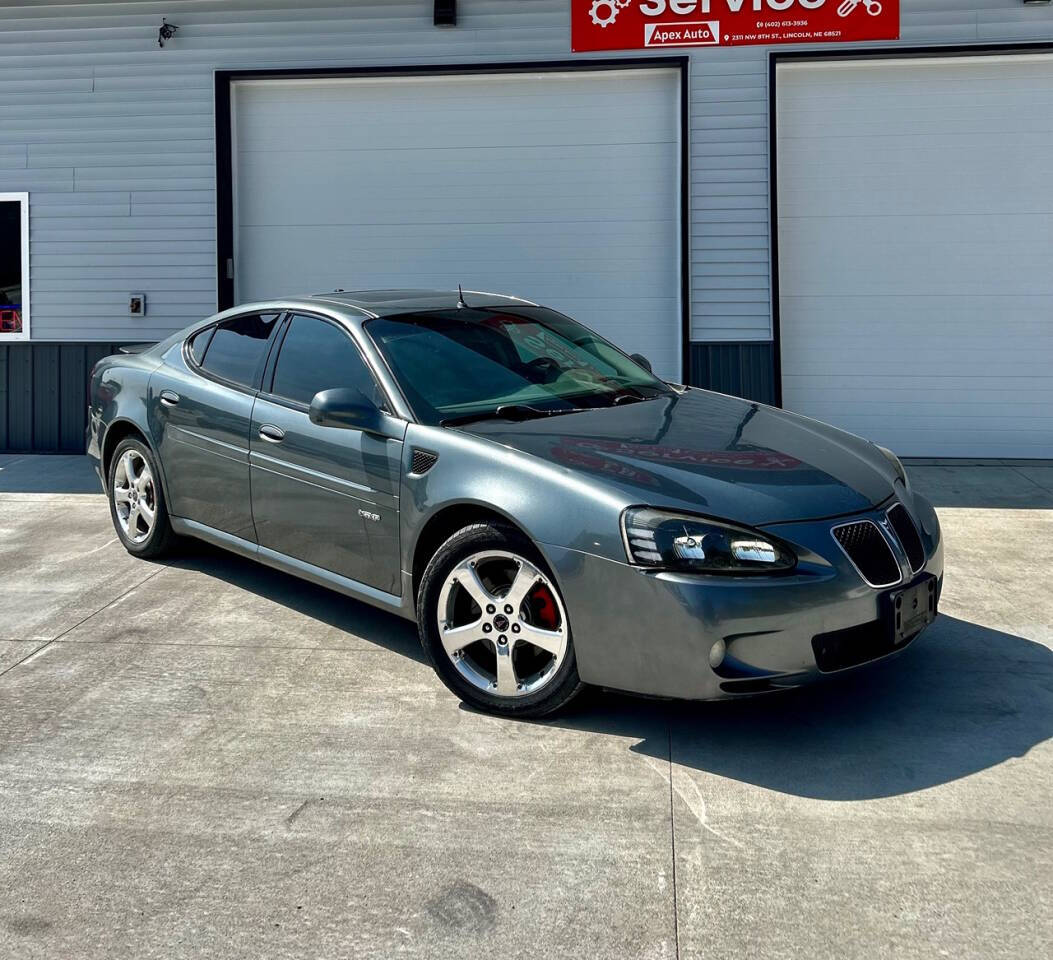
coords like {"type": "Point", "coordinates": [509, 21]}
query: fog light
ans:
{"type": "Point", "coordinates": [716, 654]}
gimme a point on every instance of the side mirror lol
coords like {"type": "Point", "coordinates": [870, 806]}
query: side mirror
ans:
{"type": "Point", "coordinates": [642, 361]}
{"type": "Point", "coordinates": [346, 407]}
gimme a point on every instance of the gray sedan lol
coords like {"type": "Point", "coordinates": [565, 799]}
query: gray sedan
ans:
{"type": "Point", "coordinates": [549, 512]}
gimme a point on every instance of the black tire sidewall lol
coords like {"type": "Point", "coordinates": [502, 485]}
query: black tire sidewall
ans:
{"type": "Point", "coordinates": [478, 538]}
{"type": "Point", "coordinates": [158, 540]}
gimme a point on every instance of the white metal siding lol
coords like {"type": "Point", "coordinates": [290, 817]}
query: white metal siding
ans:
{"type": "Point", "coordinates": [562, 187]}
{"type": "Point", "coordinates": [114, 137]}
{"type": "Point", "coordinates": [915, 217]}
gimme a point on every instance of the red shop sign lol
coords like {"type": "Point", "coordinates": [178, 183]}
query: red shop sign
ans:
{"type": "Point", "coordinates": [665, 24]}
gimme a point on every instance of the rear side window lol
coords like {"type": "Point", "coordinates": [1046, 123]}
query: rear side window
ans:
{"type": "Point", "coordinates": [199, 344]}
{"type": "Point", "coordinates": [238, 346]}
{"type": "Point", "coordinates": [316, 355]}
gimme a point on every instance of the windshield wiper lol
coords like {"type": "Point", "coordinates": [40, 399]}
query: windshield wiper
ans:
{"type": "Point", "coordinates": [626, 395]}
{"type": "Point", "coordinates": [509, 411]}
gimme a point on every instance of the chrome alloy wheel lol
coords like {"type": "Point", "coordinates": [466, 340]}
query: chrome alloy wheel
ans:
{"type": "Point", "coordinates": [134, 496]}
{"type": "Point", "coordinates": [502, 624]}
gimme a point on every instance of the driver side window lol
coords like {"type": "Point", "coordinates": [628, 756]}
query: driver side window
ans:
{"type": "Point", "coordinates": [317, 355]}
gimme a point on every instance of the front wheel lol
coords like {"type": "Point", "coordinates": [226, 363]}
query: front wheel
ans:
{"type": "Point", "coordinates": [493, 623]}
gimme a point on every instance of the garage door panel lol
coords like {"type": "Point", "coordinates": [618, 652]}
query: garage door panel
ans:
{"type": "Point", "coordinates": [971, 398]}
{"type": "Point", "coordinates": [445, 267]}
{"type": "Point", "coordinates": [854, 267]}
{"type": "Point", "coordinates": [563, 188]}
{"type": "Point", "coordinates": [829, 258]}
{"type": "Point", "coordinates": [445, 112]}
{"type": "Point", "coordinates": [913, 96]}
{"type": "Point", "coordinates": [968, 115]}
{"type": "Point", "coordinates": [961, 338]}
{"type": "Point", "coordinates": [915, 236]}
{"type": "Point", "coordinates": [911, 432]}
{"type": "Point", "coordinates": [500, 207]}
{"type": "Point", "coordinates": [493, 192]}
{"type": "Point", "coordinates": [459, 169]}
{"type": "Point", "coordinates": [911, 179]}
{"type": "Point", "coordinates": [989, 232]}
{"type": "Point", "coordinates": [417, 246]}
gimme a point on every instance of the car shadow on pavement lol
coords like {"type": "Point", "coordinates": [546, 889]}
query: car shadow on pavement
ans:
{"type": "Point", "coordinates": [314, 602]}
{"type": "Point", "coordinates": [962, 699]}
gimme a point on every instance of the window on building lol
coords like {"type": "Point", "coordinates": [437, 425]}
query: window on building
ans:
{"type": "Point", "coordinates": [237, 348]}
{"type": "Point", "coordinates": [14, 266]}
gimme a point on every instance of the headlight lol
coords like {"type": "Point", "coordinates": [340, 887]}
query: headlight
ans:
{"type": "Point", "coordinates": [671, 541]}
{"type": "Point", "coordinates": [896, 464]}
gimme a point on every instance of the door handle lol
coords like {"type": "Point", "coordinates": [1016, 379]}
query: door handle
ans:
{"type": "Point", "coordinates": [168, 398]}
{"type": "Point", "coordinates": [271, 433]}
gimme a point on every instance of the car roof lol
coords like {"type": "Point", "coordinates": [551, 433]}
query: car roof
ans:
{"type": "Point", "coordinates": [386, 303]}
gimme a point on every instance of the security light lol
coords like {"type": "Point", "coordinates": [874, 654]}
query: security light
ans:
{"type": "Point", "coordinates": [167, 31]}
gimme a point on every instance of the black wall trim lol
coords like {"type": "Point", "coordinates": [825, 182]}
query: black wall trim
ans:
{"type": "Point", "coordinates": [773, 237]}
{"type": "Point", "coordinates": [775, 57]}
{"type": "Point", "coordinates": [225, 161]}
{"type": "Point", "coordinates": [44, 395]}
{"type": "Point", "coordinates": [744, 369]}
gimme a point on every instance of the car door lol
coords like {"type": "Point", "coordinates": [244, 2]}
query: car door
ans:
{"type": "Point", "coordinates": [325, 495]}
{"type": "Point", "coordinates": [201, 411]}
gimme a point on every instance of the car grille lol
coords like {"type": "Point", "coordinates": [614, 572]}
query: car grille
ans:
{"type": "Point", "coordinates": [869, 552]}
{"type": "Point", "coordinates": [422, 461]}
{"type": "Point", "coordinates": [908, 535]}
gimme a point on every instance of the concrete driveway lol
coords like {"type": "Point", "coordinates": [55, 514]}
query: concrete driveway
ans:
{"type": "Point", "coordinates": [207, 758]}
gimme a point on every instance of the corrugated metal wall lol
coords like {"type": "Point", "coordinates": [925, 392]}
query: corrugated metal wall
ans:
{"type": "Point", "coordinates": [742, 369]}
{"type": "Point", "coordinates": [44, 395]}
{"type": "Point", "coordinates": [114, 136]}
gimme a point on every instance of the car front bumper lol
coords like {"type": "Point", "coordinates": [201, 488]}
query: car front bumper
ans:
{"type": "Point", "coordinates": [653, 632]}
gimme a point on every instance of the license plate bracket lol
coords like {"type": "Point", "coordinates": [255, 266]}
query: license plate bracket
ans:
{"type": "Point", "coordinates": [911, 610]}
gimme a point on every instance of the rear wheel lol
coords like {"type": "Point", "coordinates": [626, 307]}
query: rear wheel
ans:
{"type": "Point", "coordinates": [493, 622]}
{"type": "Point", "coordinates": [137, 503]}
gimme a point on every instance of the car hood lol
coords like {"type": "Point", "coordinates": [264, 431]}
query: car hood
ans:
{"type": "Point", "coordinates": [710, 454]}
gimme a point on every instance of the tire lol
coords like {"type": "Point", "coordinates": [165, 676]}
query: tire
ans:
{"type": "Point", "coordinates": [484, 649]}
{"type": "Point", "coordinates": [133, 500]}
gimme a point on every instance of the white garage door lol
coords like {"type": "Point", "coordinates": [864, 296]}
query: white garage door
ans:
{"type": "Point", "coordinates": [559, 187]}
{"type": "Point", "coordinates": [915, 217]}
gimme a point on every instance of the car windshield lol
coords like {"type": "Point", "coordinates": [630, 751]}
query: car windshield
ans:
{"type": "Point", "coordinates": [472, 363]}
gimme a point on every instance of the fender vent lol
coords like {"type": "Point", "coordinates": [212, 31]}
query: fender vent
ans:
{"type": "Point", "coordinates": [908, 535]}
{"type": "Point", "coordinates": [869, 552]}
{"type": "Point", "coordinates": [422, 461]}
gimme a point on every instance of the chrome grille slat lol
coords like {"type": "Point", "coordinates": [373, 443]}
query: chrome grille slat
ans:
{"type": "Point", "coordinates": [903, 525]}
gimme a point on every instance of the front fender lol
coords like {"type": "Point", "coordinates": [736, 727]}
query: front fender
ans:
{"type": "Point", "coordinates": [550, 504]}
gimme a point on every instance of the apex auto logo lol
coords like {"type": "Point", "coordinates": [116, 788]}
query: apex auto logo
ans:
{"type": "Point", "coordinates": [693, 33]}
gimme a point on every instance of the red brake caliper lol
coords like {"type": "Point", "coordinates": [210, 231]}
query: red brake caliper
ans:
{"type": "Point", "coordinates": [544, 608]}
